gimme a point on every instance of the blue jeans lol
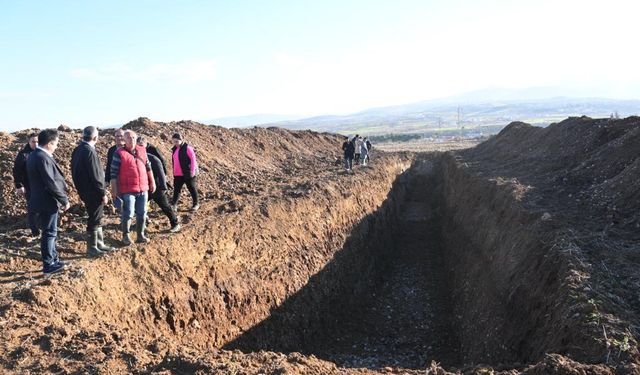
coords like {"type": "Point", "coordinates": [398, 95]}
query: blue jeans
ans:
{"type": "Point", "coordinates": [131, 201]}
{"type": "Point", "coordinates": [48, 223]}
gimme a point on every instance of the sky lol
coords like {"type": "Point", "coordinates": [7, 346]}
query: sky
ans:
{"type": "Point", "coordinates": [105, 63]}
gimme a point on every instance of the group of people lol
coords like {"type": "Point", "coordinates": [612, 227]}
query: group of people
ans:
{"type": "Point", "coordinates": [356, 151]}
{"type": "Point", "coordinates": [135, 172]}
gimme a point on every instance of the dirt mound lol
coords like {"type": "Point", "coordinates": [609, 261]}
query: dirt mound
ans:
{"type": "Point", "coordinates": [576, 181]}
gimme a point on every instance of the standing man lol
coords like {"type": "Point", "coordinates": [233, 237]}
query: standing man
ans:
{"type": "Point", "coordinates": [88, 177]}
{"type": "Point", "coordinates": [48, 196]}
{"type": "Point", "coordinates": [21, 179]}
{"type": "Point", "coordinates": [185, 170]}
{"type": "Point", "coordinates": [131, 181]}
{"type": "Point", "coordinates": [349, 149]}
{"type": "Point", "coordinates": [119, 139]}
{"type": "Point", "coordinates": [159, 196]}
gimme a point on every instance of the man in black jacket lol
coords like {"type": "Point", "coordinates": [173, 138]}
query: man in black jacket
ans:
{"type": "Point", "coordinates": [21, 179]}
{"type": "Point", "coordinates": [159, 196]}
{"type": "Point", "coordinates": [48, 196]}
{"type": "Point", "coordinates": [88, 177]}
{"type": "Point", "coordinates": [349, 149]}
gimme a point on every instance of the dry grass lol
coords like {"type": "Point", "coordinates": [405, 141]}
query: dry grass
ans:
{"type": "Point", "coordinates": [426, 145]}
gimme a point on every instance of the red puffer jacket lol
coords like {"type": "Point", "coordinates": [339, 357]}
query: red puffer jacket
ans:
{"type": "Point", "coordinates": [132, 176]}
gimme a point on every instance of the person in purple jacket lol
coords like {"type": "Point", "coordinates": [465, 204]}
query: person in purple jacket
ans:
{"type": "Point", "coordinates": [185, 170]}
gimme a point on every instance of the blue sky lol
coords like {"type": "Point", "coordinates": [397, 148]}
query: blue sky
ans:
{"type": "Point", "coordinates": [107, 62]}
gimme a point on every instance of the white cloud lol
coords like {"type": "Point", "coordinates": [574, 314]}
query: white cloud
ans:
{"type": "Point", "coordinates": [183, 72]}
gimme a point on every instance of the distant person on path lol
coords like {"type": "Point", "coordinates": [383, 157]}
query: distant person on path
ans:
{"type": "Point", "coordinates": [21, 180]}
{"type": "Point", "coordinates": [364, 153]}
{"type": "Point", "coordinates": [131, 181]}
{"type": "Point", "coordinates": [349, 148]}
{"type": "Point", "coordinates": [89, 180]}
{"type": "Point", "coordinates": [358, 144]}
{"type": "Point", "coordinates": [48, 196]}
{"type": "Point", "coordinates": [159, 196]}
{"type": "Point", "coordinates": [185, 170]}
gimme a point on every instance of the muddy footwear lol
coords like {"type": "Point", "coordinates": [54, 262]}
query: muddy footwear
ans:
{"type": "Point", "coordinates": [101, 244]}
{"type": "Point", "coordinates": [126, 227]}
{"type": "Point", "coordinates": [141, 226]}
{"type": "Point", "coordinates": [92, 244]}
{"type": "Point", "coordinates": [195, 207]}
{"type": "Point", "coordinates": [175, 228]}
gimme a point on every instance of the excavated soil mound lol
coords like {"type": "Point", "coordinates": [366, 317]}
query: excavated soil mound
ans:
{"type": "Point", "coordinates": [516, 256]}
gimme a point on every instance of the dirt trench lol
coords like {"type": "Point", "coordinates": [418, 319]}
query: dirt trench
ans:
{"type": "Point", "coordinates": [421, 262]}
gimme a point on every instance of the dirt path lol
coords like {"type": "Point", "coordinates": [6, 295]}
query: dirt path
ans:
{"type": "Point", "coordinates": [405, 324]}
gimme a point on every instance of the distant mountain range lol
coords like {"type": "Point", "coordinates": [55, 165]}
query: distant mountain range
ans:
{"type": "Point", "coordinates": [489, 109]}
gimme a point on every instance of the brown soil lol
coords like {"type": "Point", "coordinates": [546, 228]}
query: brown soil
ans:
{"type": "Point", "coordinates": [478, 260]}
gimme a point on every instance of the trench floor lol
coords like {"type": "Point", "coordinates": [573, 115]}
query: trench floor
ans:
{"type": "Point", "coordinates": [405, 322]}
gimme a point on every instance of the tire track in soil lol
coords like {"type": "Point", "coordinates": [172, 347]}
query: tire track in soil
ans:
{"type": "Point", "coordinates": [406, 321]}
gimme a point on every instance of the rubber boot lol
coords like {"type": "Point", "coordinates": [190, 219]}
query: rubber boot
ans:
{"type": "Point", "coordinates": [141, 226]}
{"type": "Point", "coordinates": [101, 244]}
{"type": "Point", "coordinates": [126, 227]}
{"type": "Point", "coordinates": [92, 244]}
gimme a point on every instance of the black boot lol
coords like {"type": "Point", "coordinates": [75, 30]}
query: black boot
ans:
{"type": "Point", "coordinates": [92, 244]}
{"type": "Point", "coordinates": [126, 227]}
{"type": "Point", "coordinates": [141, 226]}
{"type": "Point", "coordinates": [101, 244]}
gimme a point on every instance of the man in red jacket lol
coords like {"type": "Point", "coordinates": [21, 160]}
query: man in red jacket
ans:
{"type": "Point", "coordinates": [131, 181]}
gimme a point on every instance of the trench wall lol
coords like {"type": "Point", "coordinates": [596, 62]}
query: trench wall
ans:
{"type": "Point", "coordinates": [291, 259]}
{"type": "Point", "coordinates": [515, 290]}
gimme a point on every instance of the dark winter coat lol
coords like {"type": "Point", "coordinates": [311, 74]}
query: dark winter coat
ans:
{"type": "Point", "coordinates": [20, 177]}
{"type": "Point", "coordinates": [153, 150]}
{"type": "Point", "coordinates": [48, 188]}
{"type": "Point", "coordinates": [86, 171]}
{"type": "Point", "coordinates": [158, 172]}
{"type": "Point", "coordinates": [349, 149]}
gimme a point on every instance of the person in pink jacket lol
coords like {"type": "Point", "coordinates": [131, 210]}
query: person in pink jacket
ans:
{"type": "Point", "coordinates": [185, 170]}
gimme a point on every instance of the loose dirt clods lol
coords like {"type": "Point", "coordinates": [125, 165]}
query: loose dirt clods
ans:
{"type": "Point", "coordinates": [516, 256]}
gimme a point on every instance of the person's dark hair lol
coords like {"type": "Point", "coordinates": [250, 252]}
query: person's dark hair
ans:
{"type": "Point", "coordinates": [47, 136]}
{"type": "Point", "coordinates": [177, 136]}
{"type": "Point", "coordinates": [31, 135]}
{"type": "Point", "coordinates": [88, 133]}
{"type": "Point", "coordinates": [141, 139]}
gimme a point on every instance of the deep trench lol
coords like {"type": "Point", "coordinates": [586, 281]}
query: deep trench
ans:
{"type": "Point", "coordinates": [450, 269]}
{"type": "Point", "coordinates": [397, 314]}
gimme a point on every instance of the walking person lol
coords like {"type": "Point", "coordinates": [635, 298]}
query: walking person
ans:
{"type": "Point", "coordinates": [358, 144]}
{"type": "Point", "coordinates": [21, 180]}
{"type": "Point", "coordinates": [185, 170]}
{"type": "Point", "coordinates": [159, 195]}
{"type": "Point", "coordinates": [89, 180]}
{"type": "Point", "coordinates": [367, 144]}
{"type": "Point", "coordinates": [48, 196]}
{"type": "Point", "coordinates": [349, 149]}
{"type": "Point", "coordinates": [153, 150]}
{"type": "Point", "coordinates": [131, 181]}
{"type": "Point", "coordinates": [364, 153]}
